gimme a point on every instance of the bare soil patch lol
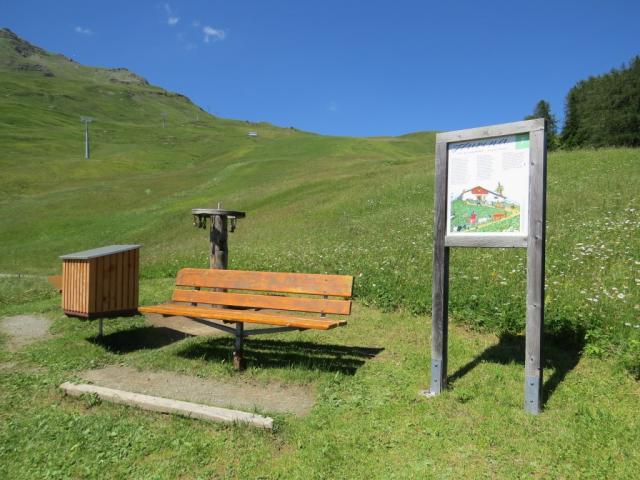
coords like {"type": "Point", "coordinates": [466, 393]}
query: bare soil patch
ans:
{"type": "Point", "coordinates": [236, 394]}
{"type": "Point", "coordinates": [25, 329]}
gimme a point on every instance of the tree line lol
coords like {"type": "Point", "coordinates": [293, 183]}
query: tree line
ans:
{"type": "Point", "coordinates": [601, 111]}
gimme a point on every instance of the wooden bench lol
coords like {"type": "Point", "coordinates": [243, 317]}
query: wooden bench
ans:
{"type": "Point", "coordinates": [232, 298]}
{"type": "Point", "coordinates": [56, 282]}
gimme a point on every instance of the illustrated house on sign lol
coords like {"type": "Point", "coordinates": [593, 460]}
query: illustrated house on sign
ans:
{"type": "Point", "coordinates": [482, 196]}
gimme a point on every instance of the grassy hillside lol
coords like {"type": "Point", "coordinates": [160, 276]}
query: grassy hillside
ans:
{"type": "Point", "coordinates": [361, 206]}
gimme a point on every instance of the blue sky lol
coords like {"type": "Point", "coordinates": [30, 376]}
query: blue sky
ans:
{"type": "Point", "coordinates": [346, 67]}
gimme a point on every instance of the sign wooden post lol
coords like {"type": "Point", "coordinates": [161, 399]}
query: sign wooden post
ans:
{"type": "Point", "coordinates": [490, 192]}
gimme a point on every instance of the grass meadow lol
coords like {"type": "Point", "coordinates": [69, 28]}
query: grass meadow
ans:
{"type": "Point", "coordinates": [368, 420]}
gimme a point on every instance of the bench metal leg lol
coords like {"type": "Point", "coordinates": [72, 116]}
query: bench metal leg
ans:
{"type": "Point", "coordinates": [238, 360]}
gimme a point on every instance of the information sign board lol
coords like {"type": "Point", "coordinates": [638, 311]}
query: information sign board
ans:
{"type": "Point", "coordinates": [488, 186]}
{"type": "Point", "coordinates": [490, 192]}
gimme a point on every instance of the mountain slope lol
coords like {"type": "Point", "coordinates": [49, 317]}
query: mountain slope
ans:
{"type": "Point", "coordinates": [137, 166]}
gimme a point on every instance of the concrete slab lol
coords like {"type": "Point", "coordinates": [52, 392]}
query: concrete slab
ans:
{"type": "Point", "coordinates": [168, 405]}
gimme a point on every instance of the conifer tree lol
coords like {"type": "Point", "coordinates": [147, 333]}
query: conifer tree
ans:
{"type": "Point", "coordinates": [543, 110]}
{"type": "Point", "coordinates": [604, 110]}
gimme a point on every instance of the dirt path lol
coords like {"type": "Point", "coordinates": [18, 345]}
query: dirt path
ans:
{"type": "Point", "coordinates": [272, 397]}
{"type": "Point", "coordinates": [25, 329]}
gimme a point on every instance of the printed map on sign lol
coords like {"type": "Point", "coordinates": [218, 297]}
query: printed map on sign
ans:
{"type": "Point", "coordinates": [488, 186]}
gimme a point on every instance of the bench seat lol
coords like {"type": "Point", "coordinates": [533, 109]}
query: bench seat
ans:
{"type": "Point", "coordinates": [244, 316]}
{"type": "Point", "coordinates": [239, 297]}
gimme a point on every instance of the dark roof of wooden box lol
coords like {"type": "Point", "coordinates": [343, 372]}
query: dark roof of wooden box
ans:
{"type": "Point", "coordinates": [99, 252]}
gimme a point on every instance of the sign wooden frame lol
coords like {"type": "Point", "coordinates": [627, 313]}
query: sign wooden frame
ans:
{"type": "Point", "coordinates": [534, 241]}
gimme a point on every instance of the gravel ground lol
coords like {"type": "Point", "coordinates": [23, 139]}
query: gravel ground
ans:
{"type": "Point", "coordinates": [24, 329]}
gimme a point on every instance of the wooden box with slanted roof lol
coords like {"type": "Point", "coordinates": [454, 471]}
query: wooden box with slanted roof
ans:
{"type": "Point", "coordinates": [101, 282]}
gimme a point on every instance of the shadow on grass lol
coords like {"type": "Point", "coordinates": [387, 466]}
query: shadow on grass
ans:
{"type": "Point", "coordinates": [559, 354]}
{"type": "Point", "coordinates": [142, 338]}
{"type": "Point", "coordinates": [283, 354]}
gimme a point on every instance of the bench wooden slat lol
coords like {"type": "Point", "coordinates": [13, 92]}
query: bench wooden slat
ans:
{"type": "Point", "coordinates": [243, 316]}
{"type": "Point", "coordinates": [314, 305]}
{"type": "Point", "coordinates": [56, 281]}
{"type": "Point", "coordinates": [302, 283]}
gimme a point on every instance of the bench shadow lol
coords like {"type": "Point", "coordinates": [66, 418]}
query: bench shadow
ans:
{"type": "Point", "coordinates": [142, 338]}
{"type": "Point", "coordinates": [560, 354]}
{"type": "Point", "coordinates": [285, 354]}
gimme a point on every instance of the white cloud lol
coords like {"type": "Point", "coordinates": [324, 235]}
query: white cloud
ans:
{"type": "Point", "coordinates": [195, 23]}
{"type": "Point", "coordinates": [171, 18]}
{"type": "Point", "coordinates": [210, 32]}
{"type": "Point", "coordinates": [333, 106]}
{"type": "Point", "coordinates": [83, 31]}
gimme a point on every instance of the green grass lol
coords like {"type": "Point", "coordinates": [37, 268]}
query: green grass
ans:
{"type": "Point", "coordinates": [368, 421]}
{"type": "Point", "coordinates": [359, 206]}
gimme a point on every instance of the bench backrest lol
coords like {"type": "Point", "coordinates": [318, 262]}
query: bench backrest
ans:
{"type": "Point", "coordinates": [269, 283]}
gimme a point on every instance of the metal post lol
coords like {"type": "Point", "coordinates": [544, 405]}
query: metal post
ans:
{"type": "Point", "coordinates": [238, 360]}
{"type": "Point", "coordinates": [86, 140]}
{"type": "Point", "coordinates": [86, 121]}
{"type": "Point", "coordinates": [535, 274]}
{"type": "Point", "coordinates": [100, 329]}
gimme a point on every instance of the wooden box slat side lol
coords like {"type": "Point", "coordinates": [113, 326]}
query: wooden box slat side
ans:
{"type": "Point", "coordinates": [133, 279]}
{"type": "Point", "coordinates": [99, 276]}
{"type": "Point", "coordinates": [243, 316]}
{"type": "Point", "coordinates": [99, 284]}
{"type": "Point", "coordinates": [83, 287]}
{"type": "Point", "coordinates": [113, 282]}
{"type": "Point", "coordinates": [126, 279]}
{"type": "Point", "coordinates": [105, 284]}
{"type": "Point", "coordinates": [73, 298]}
{"type": "Point", "coordinates": [68, 285]}
{"type": "Point", "coordinates": [79, 287]}
{"type": "Point", "coordinates": [75, 278]}
{"type": "Point", "coordinates": [92, 285]}
{"type": "Point", "coordinates": [67, 282]}
{"type": "Point", "coordinates": [301, 283]}
{"type": "Point", "coordinates": [71, 268]}
{"type": "Point", "coordinates": [136, 272]}
{"type": "Point", "coordinates": [73, 293]}
{"type": "Point", "coordinates": [314, 305]}
{"type": "Point", "coordinates": [106, 306]}
{"type": "Point", "coordinates": [63, 300]}
{"type": "Point", "coordinates": [119, 282]}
